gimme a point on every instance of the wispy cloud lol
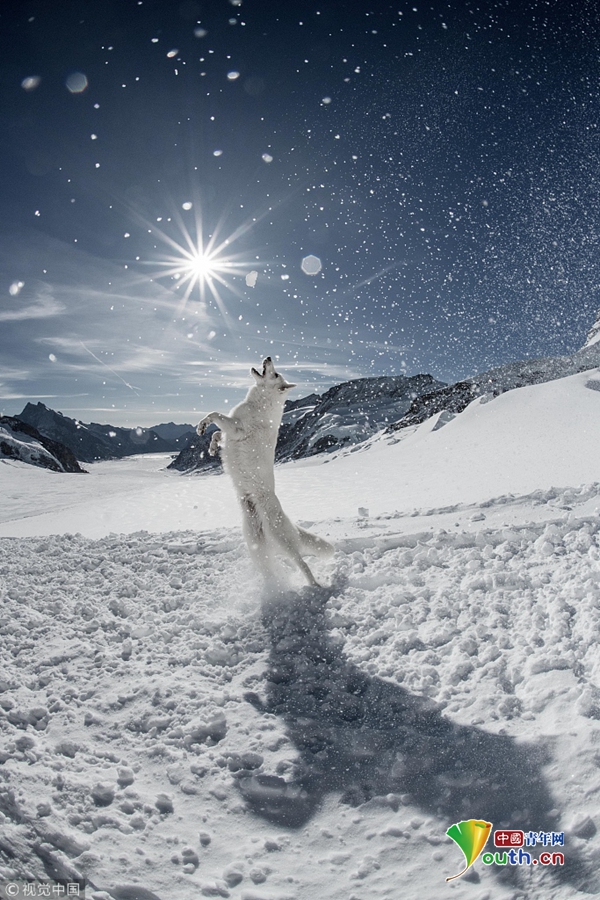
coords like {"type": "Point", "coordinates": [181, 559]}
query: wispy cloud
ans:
{"type": "Point", "coordinates": [12, 374]}
{"type": "Point", "coordinates": [44, 306]}
{"type": "Point", "coordinates": [120, 360]}
{"type": "Point", "coordinates": [316, 375]}
{"type": "Point", "coordinates": [27, 396]}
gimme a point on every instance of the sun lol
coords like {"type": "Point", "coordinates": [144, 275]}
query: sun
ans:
{"type": "Point", "coordinates": [196, 268]}
{"type": "Point", "coordinates": [201, 267]}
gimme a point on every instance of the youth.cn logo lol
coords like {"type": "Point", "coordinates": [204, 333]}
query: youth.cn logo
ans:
{"type": "Point", "coordinates": [472, 835]}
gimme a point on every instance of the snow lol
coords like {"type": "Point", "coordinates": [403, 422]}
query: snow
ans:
{"type": "Point", "coordinates": [167, 722]}
{"type": "Point", "coordinates": [535, 436]}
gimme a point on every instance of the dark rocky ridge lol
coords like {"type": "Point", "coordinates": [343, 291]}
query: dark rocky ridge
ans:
{"type": "Point", "coordinates": [349, 413]}
{"type": "Point", "coordinates": [346, 414]}
{"type": "Point", "coordinates": [58, 457]}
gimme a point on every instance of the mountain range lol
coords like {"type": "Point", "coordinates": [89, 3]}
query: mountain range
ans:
{"type": "Point", "coordinates": [346, 415]}
{"type": "Point", "coordinates": [454, 398]}
{"type": "Point", "coordinates": [92, 442]}
{"type": "Point", "coordinates": [351, 413]}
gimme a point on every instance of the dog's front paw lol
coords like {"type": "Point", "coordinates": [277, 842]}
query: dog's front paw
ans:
{"type": "Point", "coordinates": [203, 425]}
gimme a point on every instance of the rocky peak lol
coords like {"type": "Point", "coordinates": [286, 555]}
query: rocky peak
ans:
{"type": "Point", "coordinates": [593, 336]}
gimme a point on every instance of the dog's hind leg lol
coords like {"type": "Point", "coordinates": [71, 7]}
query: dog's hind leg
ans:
{"type": "Point", "coordinates": [254, 535]}
{"type": "Point", "coordinates": [285, 533]}
{"type": "Point", "coordinates": [267, 528]}
{"type": "Point", "coordinates": [292, 552]}
{"type": "Point", "coordinates": [305, 569]}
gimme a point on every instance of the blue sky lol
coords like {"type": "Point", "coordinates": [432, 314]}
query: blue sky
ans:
{"type": "Point", "coordinates": [439, 160]}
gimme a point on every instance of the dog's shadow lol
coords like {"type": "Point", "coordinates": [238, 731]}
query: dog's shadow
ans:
{"type": "Point", "coordinates": [363, 737]}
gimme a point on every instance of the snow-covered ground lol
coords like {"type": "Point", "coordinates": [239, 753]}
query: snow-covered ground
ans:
{"type": "Point", "coordinates": [168, 723]}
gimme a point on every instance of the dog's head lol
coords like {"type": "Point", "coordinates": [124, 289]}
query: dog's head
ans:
{"type": "Point", "coordinates": [269, 378]}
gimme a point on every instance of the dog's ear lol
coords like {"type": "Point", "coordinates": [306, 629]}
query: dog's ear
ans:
{"type": "Point", "coordinates": [257, 376]}
{"type": "Point", "coordinates": [287, 386]}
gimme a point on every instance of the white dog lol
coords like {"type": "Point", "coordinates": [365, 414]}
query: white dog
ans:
{"type": "Point", "coordinates": [247, 438]}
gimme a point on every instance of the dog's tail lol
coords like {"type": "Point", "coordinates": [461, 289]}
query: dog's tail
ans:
{"type": "Point", "coordinates": [313, 545]}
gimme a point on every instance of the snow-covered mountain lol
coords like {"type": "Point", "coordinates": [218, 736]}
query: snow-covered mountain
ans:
{"type": "Point", "coordinates": [346, 414]}
{"type": "Point", "coordinates": [92, 442]}
{"type": "Point", "coordinates": [22, 442]}
{"type": "Point", "coordinates": [453, 399]}
{"type": "Point", "coordinates": [352, 412]}
{"type": "Point", "coordinates": [594, 334]}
